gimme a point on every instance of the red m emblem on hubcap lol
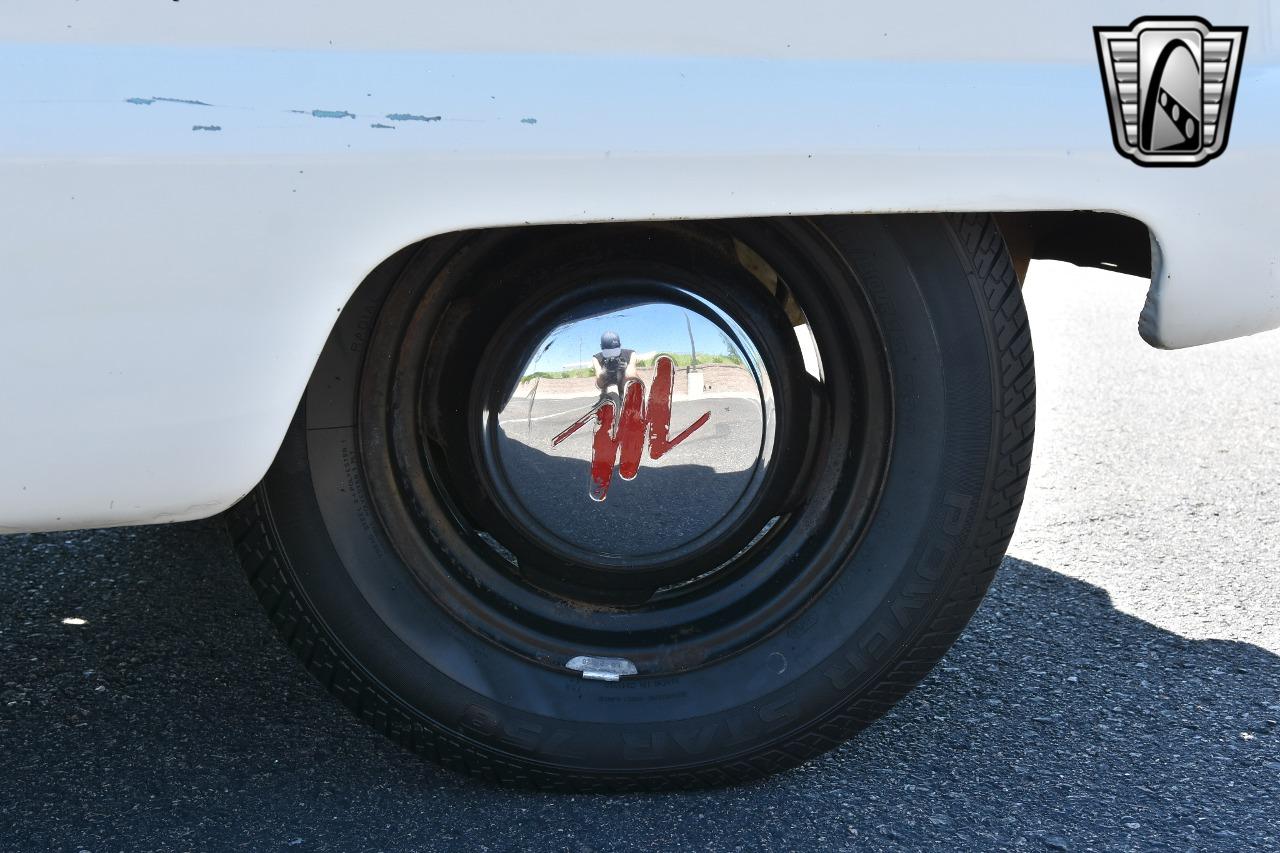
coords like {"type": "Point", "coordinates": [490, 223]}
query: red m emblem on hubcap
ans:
{"type": "Point", "coordinates": [623, 444]}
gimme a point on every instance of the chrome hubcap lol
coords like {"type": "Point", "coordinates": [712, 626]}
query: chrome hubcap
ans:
{"type": "Point", "coordinates": [638, 429]}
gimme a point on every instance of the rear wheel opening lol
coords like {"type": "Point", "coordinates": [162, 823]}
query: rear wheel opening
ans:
{"type": "Point", "coordinates": [655, 504]}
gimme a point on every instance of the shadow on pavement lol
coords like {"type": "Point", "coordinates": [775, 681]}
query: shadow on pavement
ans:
{"type": "Point", "coordinates": [173, 719]}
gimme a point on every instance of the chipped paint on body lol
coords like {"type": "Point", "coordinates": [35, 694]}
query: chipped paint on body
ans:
{"type": "Point", "coordinates": [156, 99]}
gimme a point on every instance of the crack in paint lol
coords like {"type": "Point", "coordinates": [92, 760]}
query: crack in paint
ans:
{"type": "Point", "coordinates": [528, 121]}
{"type": "Point", "coordinates": [330, 113]}
{"type": "Point", "coordinates": [382, 126]}
{"type": "Point", "coordinates": [206, 127]}
{"type": "Point", "coordinates": [411, 117]}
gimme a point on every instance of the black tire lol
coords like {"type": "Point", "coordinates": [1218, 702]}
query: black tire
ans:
{"type": "Point", "coordinates": [912, 483]}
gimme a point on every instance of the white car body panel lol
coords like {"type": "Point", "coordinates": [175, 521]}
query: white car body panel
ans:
{"type": "Point", "coordinates": [167, 290]}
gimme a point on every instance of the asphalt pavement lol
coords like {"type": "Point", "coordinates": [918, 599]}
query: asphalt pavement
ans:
{"type": "Point", "coordinates": [1118, 690]}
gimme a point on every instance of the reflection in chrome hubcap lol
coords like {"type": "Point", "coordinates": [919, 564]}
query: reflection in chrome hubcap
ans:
{"type": "Point", "coordinates": [676, 388]}
{"type": "Point", "coordinates": [621, 442]}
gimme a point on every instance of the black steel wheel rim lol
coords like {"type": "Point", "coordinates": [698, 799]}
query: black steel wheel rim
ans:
{"type": "Point", "coordinates": [465, 315]}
